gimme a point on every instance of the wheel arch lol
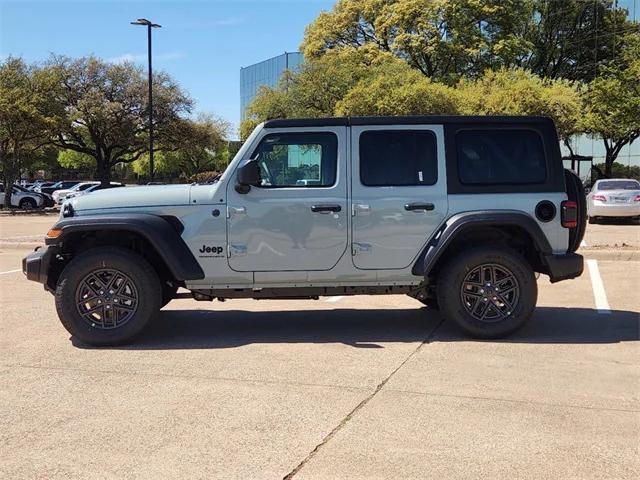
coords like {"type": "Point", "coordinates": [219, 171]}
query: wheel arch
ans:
{"type": "Point", "coordinates": [155, 238]}
{"type": "Point", "coordinates": [512, 229]}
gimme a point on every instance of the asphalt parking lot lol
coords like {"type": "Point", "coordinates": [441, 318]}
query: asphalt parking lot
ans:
{"type": "Point", "coordinates": [343, 387]}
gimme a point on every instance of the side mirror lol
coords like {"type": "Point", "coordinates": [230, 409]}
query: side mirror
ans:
{"type": "Point", "coordinates": [248, 175]}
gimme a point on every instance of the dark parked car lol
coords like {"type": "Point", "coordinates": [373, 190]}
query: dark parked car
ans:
{"type": "Point", "coordinates": [62, 185]}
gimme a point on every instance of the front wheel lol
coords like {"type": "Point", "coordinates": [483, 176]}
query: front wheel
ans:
{"type": "Point", "coordinates": [489, 292]}
{"type": "Point", "coordinates": [27, 204]}
{"type": "Point", "coordinates": [107, 295]}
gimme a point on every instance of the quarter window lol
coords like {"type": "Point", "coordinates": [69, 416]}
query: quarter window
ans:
{"type": "Point", "coordinates": [297, 160]}
{"type": "Point", "coordinates": [398, 158]}
{"type": "Point", "coordinates": [494, 157]}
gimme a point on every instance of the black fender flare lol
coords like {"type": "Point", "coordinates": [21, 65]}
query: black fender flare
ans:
{"type": "Point", "coordinates": [457, 224]}
{"type": "Point", "coordinates": [158, 231]}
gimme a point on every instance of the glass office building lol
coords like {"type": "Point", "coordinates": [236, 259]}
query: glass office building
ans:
{"type": "Point", "coordinates": [268, 73]}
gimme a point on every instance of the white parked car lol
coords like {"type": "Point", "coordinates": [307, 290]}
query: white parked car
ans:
{"type": "Point", "coordinates": [60, 195]}
{"type": "Point", "coordinates": [614, 198]}
{"type": "Point", "coordinates": [22, 198]}
{"type": "Point", "coordinates": [92, 188]}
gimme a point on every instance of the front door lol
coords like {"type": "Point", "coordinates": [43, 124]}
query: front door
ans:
{"type": "Point", "coordinates": [296, 219]}
{"type": "Point", "coordinates": [399, 192]}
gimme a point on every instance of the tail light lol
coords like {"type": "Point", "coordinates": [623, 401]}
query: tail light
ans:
{"type": "Point", "coordinates": [601, 198]}
{"type": "Point", "coordinates": [569, 214]}
{"type": "Point", "coordinates": [637, 199]}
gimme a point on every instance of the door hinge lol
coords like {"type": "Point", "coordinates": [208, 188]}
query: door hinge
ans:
{"type": "Point", "coordinates": [231, 211]}
{"type": "Point", "coordinates": [359, 248]}
{"type": "Point", "coordinates": [237, 250]}
{"type": "Point", "coordinates": [360, 209]}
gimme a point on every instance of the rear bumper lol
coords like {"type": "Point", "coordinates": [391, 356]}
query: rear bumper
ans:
{"type": "Point", "coordinates": [615, 210]}
{"type": "Point", "coordinates": [564, 267]}
{"type": "Point", "coordinates": [36, 265]}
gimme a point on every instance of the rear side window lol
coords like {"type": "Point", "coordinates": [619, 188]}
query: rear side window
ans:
{"type": "Point", "coordinates": [494, 157]}
{"type": "Point", "coordinates": [398, 158]}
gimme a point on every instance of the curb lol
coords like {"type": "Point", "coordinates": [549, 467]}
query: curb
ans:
{"type": "Point", "coordinates": [20, 245]}
{"type": "Point", "coordinates": [631, 255]}
{"type": "Point", "coordinates": [20, 213]}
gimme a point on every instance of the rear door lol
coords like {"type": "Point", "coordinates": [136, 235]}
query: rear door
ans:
{"type": "Point", "coordinates": [399, 192]}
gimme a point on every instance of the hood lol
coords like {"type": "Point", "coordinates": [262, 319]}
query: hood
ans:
{"type": "Point", "coordinates": [122, 197]}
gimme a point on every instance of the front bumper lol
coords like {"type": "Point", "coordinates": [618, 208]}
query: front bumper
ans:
{"type": "Point", "coordinates": [564, 267]}
{"type": "Point", "coordinates": [36, 265]}
{"type": "Point", "coordinates": [614, 210]}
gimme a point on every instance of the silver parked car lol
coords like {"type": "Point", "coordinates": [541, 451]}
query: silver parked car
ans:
{"type": "Point", "coordinates": [614, 198]}
{"type": "Point", "coordinates": [23, 198]}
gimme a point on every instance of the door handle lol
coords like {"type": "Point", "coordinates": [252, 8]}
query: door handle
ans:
{"type": "Point", "coordinates": [325, 208]}
{"type": "Point", "coordinates": [419, 206]}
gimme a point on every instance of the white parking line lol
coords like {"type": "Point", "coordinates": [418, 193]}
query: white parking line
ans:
{"type": "Point", "coordinates": [599, 294]}
{"type": "Point", "coordinates": [334, 299]}
{"type": "Point", "coordinates": [10, 271]}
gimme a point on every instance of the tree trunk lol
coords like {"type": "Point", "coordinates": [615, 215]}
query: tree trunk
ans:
{"type": "Point", "coordinates": [7, 192]}
{"type": "Point", "coordinates": [608, 163]}
{"type": "Point", "coordinates": [103, 169]}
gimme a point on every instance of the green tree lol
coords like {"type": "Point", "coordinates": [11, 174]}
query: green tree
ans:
{"type": "Point", "coordinates": [71, 159]}
{"type": "Point", "coordinates": [612, 103]}
{"type": "Point", "coordinates": [398, 90]}
{"type": "Point", "coordinates": [618, 170]}
{"type": "Point", "coordinates": [443, 39]}
{"type": "Point", "coordinates": [24, 117]}
{"type": "Point", "coordinates": [518, 92]}
{"type": "Point", "coordinates": [202, 147]}
{"type": "Point", "coordinates": [451, 39]}
{"type": "Point", "coordinates": [102, 110]}
{"type": "Point", "coordinates": [572, 38]}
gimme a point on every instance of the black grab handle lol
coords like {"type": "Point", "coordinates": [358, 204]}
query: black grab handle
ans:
{"type": "Point", "coordinates": [419, 206]}
{"type": "Point", "coordinates": [325, 208]}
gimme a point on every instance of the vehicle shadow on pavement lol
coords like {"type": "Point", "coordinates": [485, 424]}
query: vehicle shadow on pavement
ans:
{"type": "Point", "coordinates": [204, 329]}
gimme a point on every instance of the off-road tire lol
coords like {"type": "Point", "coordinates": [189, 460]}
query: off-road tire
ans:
{"type": "Point", "coordinates": [450, 284]}
{"type": "Point", "coordinates": [136, 268]}
{"type": "Point", "coordinates": [28, 204]}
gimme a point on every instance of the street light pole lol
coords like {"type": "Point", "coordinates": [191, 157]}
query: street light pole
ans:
{"type": "Point", "coordinates": [149, 25]}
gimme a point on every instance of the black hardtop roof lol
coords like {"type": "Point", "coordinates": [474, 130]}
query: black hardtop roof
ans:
{"type": "Point", "coordinates": [404, 120]}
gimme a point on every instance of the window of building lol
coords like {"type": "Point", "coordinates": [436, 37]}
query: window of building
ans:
{"type": "Point", "coordinates": [398, 158]}
{"type": "Point", "coordinates": [297, 159]}
{"type": "Point", "coordinates": [490, 157]}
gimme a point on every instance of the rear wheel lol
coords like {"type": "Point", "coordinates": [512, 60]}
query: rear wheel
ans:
{"type": "Point", "coordinates": [107, 295]}
{"type": "Point", "coordinates": [489, 292]}
{"type": "Point", "coordinates": [27, 204]}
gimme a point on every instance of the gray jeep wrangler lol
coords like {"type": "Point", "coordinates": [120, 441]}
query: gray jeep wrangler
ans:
{"type": "Point", "coordinates": [457, 212]}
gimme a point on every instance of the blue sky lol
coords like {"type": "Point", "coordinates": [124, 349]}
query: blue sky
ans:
{"type": "Point", "coordinates": [202, 44]}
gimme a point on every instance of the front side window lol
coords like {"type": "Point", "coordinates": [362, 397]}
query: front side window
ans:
{"type": "Point", "coordinates": [398, 158]}
{"type": "Point", "coordinates": [500, 157]}
{"type": "Point", "coordinates": [297, 159]}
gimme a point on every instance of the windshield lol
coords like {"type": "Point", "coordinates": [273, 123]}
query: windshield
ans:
{"type": "Point", "coordinates": [619, 185]}
{"type": "Point", "coordinates": [83, 186]}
